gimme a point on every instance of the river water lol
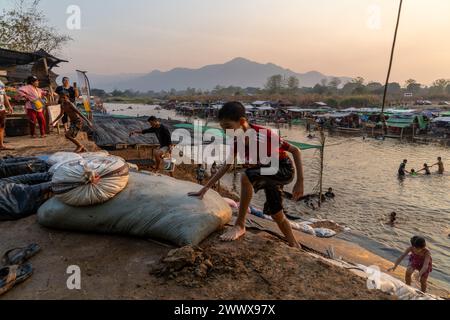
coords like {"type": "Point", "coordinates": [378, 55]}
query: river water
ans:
{"type": "Point", "coordinates": [363, 174]}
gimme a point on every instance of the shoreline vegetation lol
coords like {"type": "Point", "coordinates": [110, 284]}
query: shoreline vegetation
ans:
{"type": "Point", "coordinates": [357, 93]}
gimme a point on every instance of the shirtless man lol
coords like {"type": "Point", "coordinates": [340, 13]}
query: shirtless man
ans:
{"type": "Point", "coordinates": [76, 123]}
{"type": "Point", "coordinates": [440, 165]}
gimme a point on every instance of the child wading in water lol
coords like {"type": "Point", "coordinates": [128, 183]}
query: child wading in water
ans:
{"type": "Point", "coordinates": [200, 174]}
{"type": "Point", "coordinates": [419, 259]}
{"type": "Point", "coordinates": [75, 117]}
{"type": "Point", "coordinates": [232, 117]}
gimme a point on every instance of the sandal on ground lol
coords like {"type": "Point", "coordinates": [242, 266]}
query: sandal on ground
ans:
{"type": "Point", "coordinates": [13, 275]}
{"type": "Point", "coordinates": [19, 255]}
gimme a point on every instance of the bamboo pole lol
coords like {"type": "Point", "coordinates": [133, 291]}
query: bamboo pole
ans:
{"type": "Point", "coordinates": [51, 98]}
{"type": "Point", "coordinates": [322, 152]}
{"type": "Point", "coordinates": [383, 118]}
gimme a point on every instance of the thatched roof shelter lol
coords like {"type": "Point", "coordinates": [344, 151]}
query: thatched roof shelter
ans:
{"type": "Point", "coordinates": [19, 65]}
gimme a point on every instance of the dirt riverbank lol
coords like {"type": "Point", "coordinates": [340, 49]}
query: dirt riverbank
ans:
{"type": "Point", "coordinates": [259, 266]}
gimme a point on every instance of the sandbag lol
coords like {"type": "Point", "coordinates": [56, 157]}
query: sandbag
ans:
{"type": "Point", "coordinates": [11, 169]}
{"type": "Point", "coordinates": [91, 181]}
{"type": "Point", "coordinates": [18, 201]}
{"type": "Point", "coordinates": [303, 227]}
{"type": "Point", "coordinates": [29, 179]}
{"type": "Point", "coordinates": [60, 157]}
{"type": "Point", "coordinates": [150, 207]}
{"type": "Point", "coordinates": [324, 232]}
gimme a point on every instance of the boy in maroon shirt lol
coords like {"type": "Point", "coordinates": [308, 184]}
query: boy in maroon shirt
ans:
{"type": "Point", "coordinates": [232, 117]}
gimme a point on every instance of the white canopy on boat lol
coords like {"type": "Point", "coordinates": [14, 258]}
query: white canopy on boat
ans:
{"type": "Point", "coordinates": [441, 119]}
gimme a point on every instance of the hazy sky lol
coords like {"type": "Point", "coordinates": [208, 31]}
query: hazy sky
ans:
{"type": "Point", "coordinates": [336, 37]}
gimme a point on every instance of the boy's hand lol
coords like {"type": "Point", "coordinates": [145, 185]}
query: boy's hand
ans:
{"type": "Point", "coordinates": [200, 194]}
{"type": "Point", "coordinates": [392, 269]}
{"type": "Point", "coordinates": [298, 191]}
{"type": "Point", "coordinates": [10, 110]}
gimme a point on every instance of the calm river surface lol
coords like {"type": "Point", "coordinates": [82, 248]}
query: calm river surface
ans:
{"type": "Point", "coordinates": [363, 175]}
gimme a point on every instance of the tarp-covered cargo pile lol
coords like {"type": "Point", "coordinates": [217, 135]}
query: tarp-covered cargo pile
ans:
{"type": "Point", "coordinates": [97, 192]}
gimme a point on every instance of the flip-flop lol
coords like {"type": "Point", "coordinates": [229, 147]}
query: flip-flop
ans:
{"type": "Point", "coordinates": [13, 275]}
{"type": "Point", "coordinates": [19, 255]}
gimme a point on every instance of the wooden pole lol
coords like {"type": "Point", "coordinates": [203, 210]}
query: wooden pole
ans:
{"type": "Point", "coordinates": [51, 98]}
{"type": "Point", "coordinates": [322, 152]}
{"type": "Point", "coordinates": [390, 66]}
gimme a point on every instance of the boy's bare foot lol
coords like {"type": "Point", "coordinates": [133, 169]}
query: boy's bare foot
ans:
{"type": "Point", "coordinates": [80, 150]}
{"type": "Point", "coordinates": [5, 148]}
{"type": "Point", "coordinates": [233, 234]}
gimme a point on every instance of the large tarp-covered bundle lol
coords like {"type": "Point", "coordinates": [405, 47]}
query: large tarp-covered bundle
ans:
{"type": "Point", "coordinates": [150, 207]}
{"type": "Point", "coordinates": [22, 196]}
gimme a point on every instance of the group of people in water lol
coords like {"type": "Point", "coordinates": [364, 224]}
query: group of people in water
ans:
{"type": "Point", "coordinates": [426, 168]}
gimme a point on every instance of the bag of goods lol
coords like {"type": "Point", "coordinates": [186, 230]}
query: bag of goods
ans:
{"type": "Point", "coordinates": [151, 206]}
{"type": "Point", "coordinates": [91, 181]}
{"type": "Point", "coordinates": [324, 232]}
{"type": "Point", "coordinates": [60, 157]}
{"type": "Point", "coordinates": [303, 227]}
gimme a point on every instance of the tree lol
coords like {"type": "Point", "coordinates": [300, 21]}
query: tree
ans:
{"type": "Point", "coordinates": [334, 83]}
{"type": "Point", "coordinates": [274, 84]}
{"type": "Point", "coordinates": [98, 93]}
{"type": "Point", "coordinates": [26, 28]}
{"type": "Point", "coordinates": [117, 93]}
{"type": "Point", "coordinates": [293, 84]}
{"type": "Point", "coordinates": [319, 89]}
{"type": "Point", "coordinates": [375, 87]}
{"type": "Point", "coordinates": [439, 86]}
{"type": "Point", "coordinates": [394, 88]}
{"type": "Point", "coordinates": [412, 86]}
{"type": "Point", "coordinates": [358, 80]}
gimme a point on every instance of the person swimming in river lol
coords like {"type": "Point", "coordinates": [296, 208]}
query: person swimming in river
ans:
{"type": "Point", "coordinates": [330, 194]}
{"type": "Point", "coordinates": [440, 165]}
{"type": "Point", "coordinates": [426, 169]}
{"type": "Point", "coordinates": [419, 259]}
{"type": "Point", "coordinates": [412, 173]}
{"type": "Point", "coordinates": [392, 218]}
{"type": "Point", "coordinates": [402, 169]}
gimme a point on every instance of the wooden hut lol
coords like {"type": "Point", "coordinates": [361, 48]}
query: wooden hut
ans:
{"type": "Point", "coordinates": [15, 68]}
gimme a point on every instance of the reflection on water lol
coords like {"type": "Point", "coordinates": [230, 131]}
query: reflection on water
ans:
{"type": "Point", "coordinates": [363, 174]}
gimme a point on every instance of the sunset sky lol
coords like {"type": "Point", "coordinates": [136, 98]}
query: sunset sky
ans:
{"type": "Point", "coordinates": [335, 37]}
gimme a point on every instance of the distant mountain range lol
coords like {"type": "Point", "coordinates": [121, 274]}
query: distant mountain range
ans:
{"type": "Point", "coordinates": [237, 72]}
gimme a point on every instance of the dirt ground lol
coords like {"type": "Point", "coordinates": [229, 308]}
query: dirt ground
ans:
{"type": "Point", "coordinates": [112, 267]}
{"type": "Point", "coordinates": [259, 266]}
